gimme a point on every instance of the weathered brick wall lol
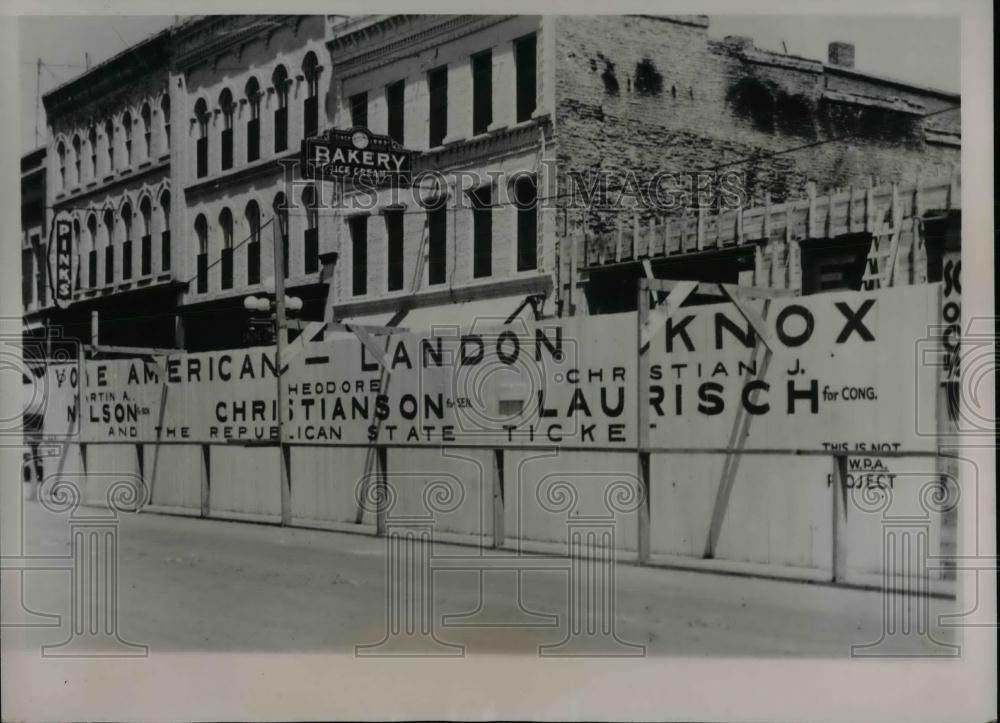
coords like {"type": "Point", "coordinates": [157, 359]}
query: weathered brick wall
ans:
{"type": "Point", "coordinates": [650, 95]}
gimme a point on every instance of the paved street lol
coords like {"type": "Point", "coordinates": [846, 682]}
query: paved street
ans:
{"type": "Point", "coordinates": [191, 584]}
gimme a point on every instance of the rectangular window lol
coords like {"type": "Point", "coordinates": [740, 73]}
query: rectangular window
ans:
{"type": "Point", "coordinates": [482, 232]}
{"type": "Point", "coordinates": [226, 264]}
{"type": "Point", "coordinates": [394, 235]}
{"type": "Point", "coordinates": [202, 157]}
{"type": "Point", "coordinates": [165, 250]}
{"type": "Point", "coordinates": [227, 149]}
{"type": "Point", "coordinates": [146, 256]}
{"type": "Point", "coordinates": [109, 265]}
{"type": "Point", "coordinates": [126, 260]}
{"type": "Point", "coordinates": [437, 246]}
{"type": "Point", "coordinates": [311, 120]}
{"type": "Point", "coordinates": [280, 129]}
{"type": "Point", "coordinates": [311, 250]}
{"type": "Point", "coordinates": [27, 276]}
{"type": "Point", "coordinates": [253, 140]}
{"type": "Point", "coordinates": [482, 92]}
{"type": "Point", "coordinates": [202, 273]}
{"type": "Point", "coordinates": [526, 71]}
{"type": "Point", "coordinates": [359, 255]}
{"type": "Point", "coordinates": [359, 109]}
{"type": "Point", "coordinates": [394, 103]}
{"type": "Point", "coordinates": [92, 268]}
{"type": "Point", "coordinates": [527, 225]}
{"type": "Point", "coordinates": [437, 91]}
{"type": "Point", "coordinates": [253, 262]}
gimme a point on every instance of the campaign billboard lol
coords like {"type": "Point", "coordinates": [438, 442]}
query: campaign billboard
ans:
{"type": "Point", "coordinates": [842, 373]}
{"type": "Point", "coordinates": [834, 371]}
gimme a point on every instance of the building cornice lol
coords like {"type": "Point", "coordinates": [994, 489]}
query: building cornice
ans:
{"type": "Point", "coordinates": [376, 45]}
{"type": "Point", "coordinates": [901, 84]}
{"type": "Point", "coordinates": [501, 142]}
{"type": "Point", "coordinates": [202, 40]}
{"type": "Point", "coordinates": [228, 179]}
{"type": "Point", "coordinates": [64, 200]}
{"type": "Point", "coordinates": [138, 61]}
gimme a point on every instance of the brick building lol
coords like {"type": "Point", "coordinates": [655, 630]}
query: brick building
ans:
{"type": "Point", "coordinates": [631, 98]}
{"type": "Point", "coordinates": [175, 161]}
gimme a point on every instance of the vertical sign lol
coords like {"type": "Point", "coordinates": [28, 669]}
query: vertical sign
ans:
{"type": "Point", "coordinates": [62, 279]}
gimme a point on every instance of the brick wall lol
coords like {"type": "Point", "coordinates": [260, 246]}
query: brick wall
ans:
{"type": "Point", "coordinates": [650, 94]}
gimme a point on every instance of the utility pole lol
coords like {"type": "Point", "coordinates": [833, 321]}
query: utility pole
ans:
{"type": "Point", "coordinates": [38, 95]}
{"type": "Point", "coordinates": [281, 327]}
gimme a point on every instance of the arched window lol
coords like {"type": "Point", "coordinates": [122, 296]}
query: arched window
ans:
{"type": "Point", "coordinates": [77, 159]}
{"type": "Point", "coordinates": [310, 69]}
{"type": "Point", "coordinates": [311, 235]}
{"type": "Point", "coordinates": [61, 154]}
{"type": "Point", "coordinates": [146, 215]}
{"type": "Point", "coordinates": [253, 121]}
{"type": "Point", "coordinates": [201, 232]}
{"type": "Point", "coordinates": [127, 128]}
{"type": "Point", "coordinates": [147, 130]}
{"type": "Point", "coordinates": [226, 225]}
{"type": "Point", "coordinates": [127, 222]}
{"type": "Point", "coordinates": [127, 245]}
{"type": "Point", "coordinates": [279, 79]}
{"type": "Point", "coordinates": [201, 117]}
{"type": "Point", "coordinates": [280, 208]}
{"type": "Point", "coordinates": [92, 251]}
{"type": "Point", "coordinates": [165, 122]}
{"type": "Point", "coordinates": [252, 214]}
{"type": "Point", "coordinates": [109, 138]}
{"type": "Point", "coordinates": [146, 219]}
{"type": "Point", "coordinates": [109, 248]}
{"type": "Point", "coordinates": [165, 253]}
{"type": "Point", "coordinates": [92, 142]}
{"type": "Point", "coordinates": [227, 107]}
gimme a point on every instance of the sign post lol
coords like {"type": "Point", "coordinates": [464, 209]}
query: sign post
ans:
{"type": "Point", "coordinates": [281, 326]}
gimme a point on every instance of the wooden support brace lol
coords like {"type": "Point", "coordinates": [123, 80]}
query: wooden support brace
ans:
{"type": "Point", "coordinates": [635, 237]}
{"type": "Point", "coordinates": [618, 239]}
{"type": "Point", "coordinates": [739, 298]}
{"type": "Point", "coordinates": [838, 488]}
{"type": "Point", "coordinates": [377, 354]}
{"type": "Point", "coordinates": [658, 317]}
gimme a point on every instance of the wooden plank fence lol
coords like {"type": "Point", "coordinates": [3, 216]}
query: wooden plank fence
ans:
{"type": "Point", "coordinates": [842, 212]}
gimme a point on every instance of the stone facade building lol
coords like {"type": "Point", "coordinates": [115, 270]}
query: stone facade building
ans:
{"type": "Point", "coordinates": [472, 96]}
{"type": "Point", "coordinates": [108, 174]}
{"type": "Point", "coordinates": [250, 89]}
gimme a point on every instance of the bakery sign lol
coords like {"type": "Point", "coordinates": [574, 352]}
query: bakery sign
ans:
{"type": "Point", "coordinates": [356, 155]}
